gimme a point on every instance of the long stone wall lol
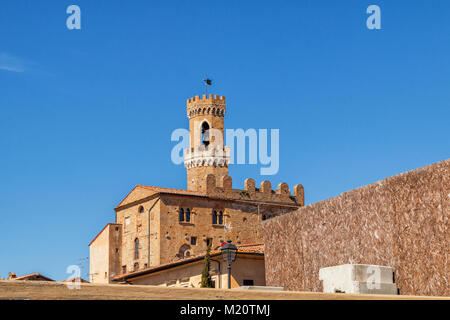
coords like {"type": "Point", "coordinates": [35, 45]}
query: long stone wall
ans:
{"type": "Point", "coordinates": [44, 290]}
{"type": "Point", "coordinates": [401, 221]}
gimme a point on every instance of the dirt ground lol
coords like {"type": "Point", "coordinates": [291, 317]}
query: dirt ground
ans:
{"type": "Point", "coordinates": [42, 290]}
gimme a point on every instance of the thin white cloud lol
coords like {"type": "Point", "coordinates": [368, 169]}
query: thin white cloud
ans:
{"type": "Point", "coordinates": [10, 63]}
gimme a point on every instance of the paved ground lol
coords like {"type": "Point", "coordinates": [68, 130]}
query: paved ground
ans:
{"type": "Point", "coordinates": [42, 290]}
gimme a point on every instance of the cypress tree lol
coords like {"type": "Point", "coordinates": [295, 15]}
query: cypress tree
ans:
{"type": "Point", "coordinates": [206, 277]}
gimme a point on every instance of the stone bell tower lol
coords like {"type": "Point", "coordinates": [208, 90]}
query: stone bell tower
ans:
{"type": "Point", "coordinates": [207, 153]}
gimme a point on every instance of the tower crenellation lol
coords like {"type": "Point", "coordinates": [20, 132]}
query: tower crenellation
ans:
{"type": "Point", "coordinates": [206, 105]}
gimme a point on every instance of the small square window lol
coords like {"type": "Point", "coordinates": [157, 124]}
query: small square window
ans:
{"type": "Point", "coordinates": [248, 282]}
{"type": "Point", "coordinates": [193, 241]}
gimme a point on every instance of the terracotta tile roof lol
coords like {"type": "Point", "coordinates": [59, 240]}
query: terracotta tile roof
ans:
{"type": "Point", "coordinates": [251, 248]}
{"type": "Point", "coordinates": [172, 191]}
{"type": "Point", "coordinates": [33, 276]}
{"type": "Point", "coordinates": [163, 190]}
{"type": "Point", "coordinates": [256, 248]}
{"type": "Point", "coordinates": [245, 248]}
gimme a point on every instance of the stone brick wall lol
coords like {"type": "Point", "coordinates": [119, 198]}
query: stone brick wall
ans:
{"type": "Point", "coordinates": [175, 234]}
{"type": "Point", "coordinates": [136, 225]}
{"type": "Point", "coordinates": [115, 240]}
{"type": "Point", "coordinates": [154, 220]}
{"type": "Point", "coordinates": [150, 214]}
{"type": "Point", "coordinates": [244, 221]}
{"type": "Point", "coordinates": [195, 176]}
{"type": "Point", "coordinates": [401, 221]}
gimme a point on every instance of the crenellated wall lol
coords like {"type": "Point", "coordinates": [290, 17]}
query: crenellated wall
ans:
{"type": "Point", "coordinates": [401, 221]}
{"type": "Point", "coordinates": [223, 189]}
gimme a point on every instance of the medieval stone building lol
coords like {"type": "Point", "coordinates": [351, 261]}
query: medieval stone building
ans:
{"type": "Point", "coordinates": [156, 226]}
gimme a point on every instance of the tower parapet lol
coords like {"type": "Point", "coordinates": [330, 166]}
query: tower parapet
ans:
{"type": "Point", "coordinates": [206, 105]}
{"type": "Point", "coordinates": [207, 156]}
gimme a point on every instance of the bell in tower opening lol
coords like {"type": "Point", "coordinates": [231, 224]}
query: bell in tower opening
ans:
{"type": "Point", "coordinates": [205, 133]}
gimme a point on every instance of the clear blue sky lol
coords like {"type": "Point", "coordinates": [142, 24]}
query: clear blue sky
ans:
{"type": "Point", "coordinates": [87, 114]}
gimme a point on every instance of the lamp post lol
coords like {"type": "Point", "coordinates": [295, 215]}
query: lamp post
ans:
{"type": "Point", "coordinates": [229, 255]}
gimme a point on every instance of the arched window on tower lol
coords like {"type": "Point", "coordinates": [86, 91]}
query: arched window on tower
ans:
{"type": "Point", "coordinates": [214, 217]}
{"type": "Point", "coordinates": [181, 214]}
{"type": "Point", "coordinates": [205, 133]}
{"type": "Point", "coordinates": [220, 217]}
{"type": "Point", "coordinates": [136, 248]}
{"type": "Point", "coordinates": [188, 215]}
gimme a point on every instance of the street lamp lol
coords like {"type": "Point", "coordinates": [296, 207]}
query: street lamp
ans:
{"type": "Point", "coordinates": [229, 255]}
